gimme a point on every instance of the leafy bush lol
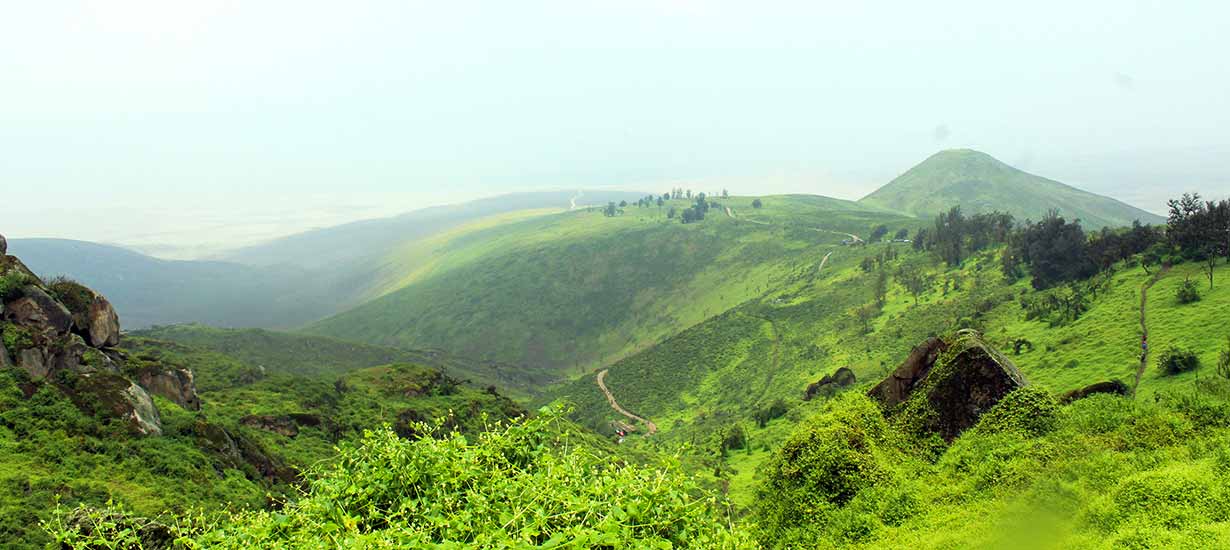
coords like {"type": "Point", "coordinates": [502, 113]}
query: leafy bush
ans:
{"type": "Point", "coordinates": [777, 409]}
{"type": "Point", "coordinates": [527, 485]}
{"type": "Point", "coordinates": [1177, 360]}
{"type": "Point", "coordinates": [11, 283]}
{"type": "Point", "coordinates": [1029, 410]}
{"type": "Point", "coordinates": [819, 469]}
{"type": "Point", "coordinates": [1223, 361]}
{"type": "Point", "coordinates": [1189, 292]}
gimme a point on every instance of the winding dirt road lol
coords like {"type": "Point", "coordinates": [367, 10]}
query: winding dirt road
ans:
{"type": "Point", "coordinates": [650, 426]}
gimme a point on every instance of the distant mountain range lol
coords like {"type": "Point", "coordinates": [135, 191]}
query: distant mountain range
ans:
{"type": "Point", "coordinates": [980, 183]}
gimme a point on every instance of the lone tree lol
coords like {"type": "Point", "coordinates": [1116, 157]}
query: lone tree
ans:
{"type": "Point", "coordinates": [878, 233]}
{"type": "Point", "coordinates": [609, 211]}
{"type": "Point", "coordinates": [913, 278]}
{"type": "Point", "coordinates": [756, 203]}
{"type": "Point", "coordinates": [902, 234]}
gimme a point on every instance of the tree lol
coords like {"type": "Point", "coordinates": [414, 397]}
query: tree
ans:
{"type": "Point", "coordinates": [913, 278]}
{"type": "Point", "coordinates": [878, 233]}
{"type": "Point", "coordinates": [689, 194]}
{"type": "Point", "coordinates": [1056, 251]}
{"type": "Point", "coordinates": [660, 203]}
{"type": "Point", "coordinates": [881, 288]}
{"type": "Point", "coordinates": [902, 234]}
{"type": "Point", "coordinates": [865, 314]}
{"type": "Point", "coordinates": [756, 203]}
{"type": "Point", "coordinates": [623, 204]}
{"type": "Point", "coordinates": [670, 214]}
{"type": "Point", "coordinates": [609, 211]}
{"type": "Point", "coordinates": [725, 194]}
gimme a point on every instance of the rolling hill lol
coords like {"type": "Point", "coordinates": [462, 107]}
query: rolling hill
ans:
{"type": "Point", "coordinates": [287, 282]}
{"type": "Point", "coordinates": [580, 289]}
{"type": "Point", "coordinates": [980, 183]}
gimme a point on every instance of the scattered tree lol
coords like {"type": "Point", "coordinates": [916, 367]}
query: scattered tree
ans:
{"type": "Point", "coordinates": [1188, 292]}
{"type": "Point", "coordinates": [913, 278]}
{"type": "Point", "coordinates": [878, 233]}
{"type": "Point", "coordinates": [902, 234]}
{"type": "Point", "coordinates": [756, 203]}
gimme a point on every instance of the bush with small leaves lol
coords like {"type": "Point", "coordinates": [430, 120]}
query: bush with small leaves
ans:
{"type": "Point", "coordinates": [1177, 360]}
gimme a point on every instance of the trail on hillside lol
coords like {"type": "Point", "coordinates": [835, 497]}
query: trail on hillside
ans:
{"type": "Point", "coordinates": [824, 261]}
{"type": "Point", "coordinates": [1144, 326]}
{"type": "Point", "coordinates": [650, 426]}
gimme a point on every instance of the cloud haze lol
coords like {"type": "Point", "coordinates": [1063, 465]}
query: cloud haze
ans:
{"type": "Point", "coordinates": [198, 114]}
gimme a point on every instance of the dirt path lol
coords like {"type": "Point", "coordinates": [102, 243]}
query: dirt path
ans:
{"type": "Point", "coordinates": [1144, 326]}
{"type": "Point", "coordinates": [653, 428]}
{"type": "Point", "coordinates": [824, 261]}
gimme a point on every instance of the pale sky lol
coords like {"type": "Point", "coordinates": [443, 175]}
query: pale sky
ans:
{"type": "Point", "coordinates": [168, 124]}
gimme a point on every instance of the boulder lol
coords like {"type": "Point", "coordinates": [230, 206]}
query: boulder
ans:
{"type": "Point", "coordinates": [894, 390]}
{"type": "Point", "coordinates": [115, 396]}
{"type": "Point", "coordinates": [946, 385]}
{"type": "Point", "coordinates": [5, 361]}
{"type": "Point", "coordinates": [175, 385]}
{"type": "Point", "coordinates": [93, 316]}
{"type": "Point", "coordinates": [1116, 387]}
{"type": "Point", "coordinates": [104, 324]}
{"type": "Point", "coordinates": [34, 362]}
{"type": "Point", "coordinates": [4, 246]}
{"type": "Point", "coordinates": [830, 384]}
{"type": "Point", "coordinates": [35, 309]}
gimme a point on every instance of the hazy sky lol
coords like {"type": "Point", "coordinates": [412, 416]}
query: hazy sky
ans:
{"type": "Point", "coordinates": [163, 122]}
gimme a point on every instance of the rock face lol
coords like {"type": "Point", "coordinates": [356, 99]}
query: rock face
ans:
{"type": "Point", "coordinates": [176, 385]}
{"type": "Point", "coordinates": [895, 389]}
{"type": "Point", "coordinates": [113, 395]}
{"type": "Point", "coordinates": [944, 386]}
{"type": "Point", "coordinates": [36, 310]}
{"type": "Point", "coordinates": [1116, 387]}
{"type": "Point", "coordinates": [830, 384]}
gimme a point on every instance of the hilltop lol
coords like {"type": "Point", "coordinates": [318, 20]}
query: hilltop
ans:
{"type": "Point", "coordinates": [980, 183]}
{"type": "Point", "coordinates": [576, 290]}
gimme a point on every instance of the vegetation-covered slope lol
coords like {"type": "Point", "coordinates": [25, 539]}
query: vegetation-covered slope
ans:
{"type": "Point", "coordinates": [285, 353]}
{"type": "Point", "coordinates": [979, 183]}
{"type": "Point", "coordinates": [580, 289]}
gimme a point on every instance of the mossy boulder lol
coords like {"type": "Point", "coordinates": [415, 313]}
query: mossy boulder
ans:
{"type": "Point", "coordinates": [1114, 387]}
{"type": "Point", "coordinates": [946, 385]}
{"type": "Point", "coordinates": [114, 396]}
{"type": "Point", "coordinates": [93, 316]}
{"type": "Point", "coordinates": [175, 385]}
{"type": "Point", "coordinates": [830, 384]}
{"type": "Point", "coordinates": [36, 310]}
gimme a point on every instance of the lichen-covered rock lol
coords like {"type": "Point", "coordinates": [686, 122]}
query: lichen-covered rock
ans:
{"type": "Point", "coordinates": [1115, 387]}
{"type": "Point", "coordinates": [36, 310]}
{"type": "Point", "coordinates": [830, 384]}
{"type": "Point", "coordinates": [238, 452]}
{"type": "Point", "coordinates": [5, 360]}
{"type": "Point", "coordinates": [34, 362]}
{"type": "Point", "coordinates": [117, 397]}
{"type": "Point", "coordinates": [175, 385]}
{"type": "Point", "coordinates": [93, 316]}
{"type": "Point", "coordinates": [943, 388]}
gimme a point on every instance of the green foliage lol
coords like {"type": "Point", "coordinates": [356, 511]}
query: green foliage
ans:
{"type": "Point", "coordinates": [1176, 360]}
{"type": "Point", "coordinates": [16, 338]}
{"type": "Point", "coordinates": [1188, 292]}
{"type": "Point", "coordinates": [1223, 361]}
{"type": "Point", "coordinates": [528, 484]}
{"type": "Point", "coordinates": [757, 204]}
{"type": "Point", "coordinates": [11, 283]}
{"type": "Point", "coordinates": [822, 467]}
{"type": "Point", "coordinates": [1029, 410]}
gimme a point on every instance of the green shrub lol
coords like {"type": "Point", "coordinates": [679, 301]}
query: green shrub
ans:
{"type": "Point", "coordinates": [11, 283]}
{"type": "Point", "coordinates": [1223, 361]}
{"type": "Point", "coordinates": [1189, 292]}
{"type": "Point", "coordinates": [1029, 410]}
{"type": "Point", "coordinates": [821, 467]}
{"type": "Point", "coordinates": [1177, 360]}
{"type": "Point", "coordinates": [527, 485]}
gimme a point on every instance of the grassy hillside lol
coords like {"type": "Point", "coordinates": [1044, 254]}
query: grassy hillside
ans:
{"type": "Point", "coordinates": [580, 289]}
{"type": "Point", "coordinates": [718, 376]}
{"type": "Point", "coordinates": [281, 353]}
{"type": "Point", "coordinates": [980, 183]}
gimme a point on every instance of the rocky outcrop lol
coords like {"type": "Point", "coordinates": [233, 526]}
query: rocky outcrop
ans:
{"type": "Point", "coordinates": [240, 453]}
{"type": "Point", "coordinates": [944, 386]}
{"type": "Point", "coordinates": [895, 389]}
{"type": "Point", "coordinates": [830, 384]}
{"type": "Point", "coordinates": [1114, 387]}
{"type": "Point", "coordinates": [62, 333]}
{"type": "Point", "coordinates": [36, 310]}
{"type": "Point", "coordinates": [175, 385]}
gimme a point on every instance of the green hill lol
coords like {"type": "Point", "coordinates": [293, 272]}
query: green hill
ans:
{"type": "Point", "coordinates": [980, 183]}
{"type": "Point", "coordinates": [580, 289]}
{"type": "Point", "coordinates": [282, 353]}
